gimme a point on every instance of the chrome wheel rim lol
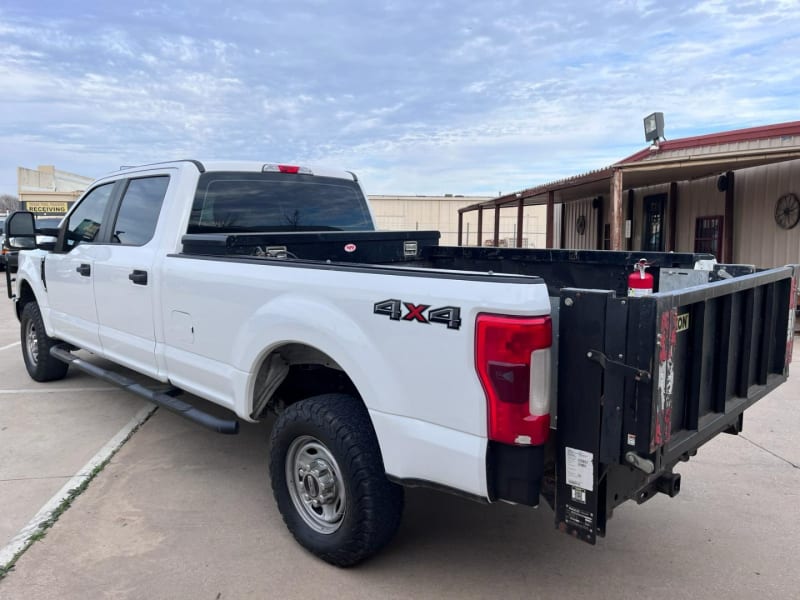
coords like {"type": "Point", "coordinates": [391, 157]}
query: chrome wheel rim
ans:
{"type": "Point", "coordinates": [32, 343]}
{"type": "Point", "coordinates": [315, 484]}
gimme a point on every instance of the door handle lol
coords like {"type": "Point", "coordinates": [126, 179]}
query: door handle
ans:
{"type": "Point", "coordinates": [85, 270]}
{"type": "Point", "coordinates": [138, 277]}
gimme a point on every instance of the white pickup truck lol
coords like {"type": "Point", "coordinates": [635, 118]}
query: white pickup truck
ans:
{"type": "Point", "coordinates": [389, 359]}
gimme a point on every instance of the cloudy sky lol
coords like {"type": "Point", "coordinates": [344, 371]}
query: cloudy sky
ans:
{"type": "Point", "coordinates": [418, 97]}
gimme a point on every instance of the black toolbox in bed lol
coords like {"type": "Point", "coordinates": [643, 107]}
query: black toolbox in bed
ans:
{"type": "Point", "coordinates": [338, 246]}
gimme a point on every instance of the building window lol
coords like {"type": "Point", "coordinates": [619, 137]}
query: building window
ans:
{"type": "Point", "coordinates": [708, 235]}
{"type": "Point", "coordinates": [607, 236]}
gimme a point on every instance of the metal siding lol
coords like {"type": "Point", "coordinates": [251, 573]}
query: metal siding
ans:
{"type": "Point", "coordinates": [699, 198]}
{"type": "Point", "coordinates": [556, 227]}
{"type": "Point", "coordinates": [410, 213]}
{"type": "Point", "coordinates": [587, 241]}
{"type": "Point", "coordinates": [757, 238]}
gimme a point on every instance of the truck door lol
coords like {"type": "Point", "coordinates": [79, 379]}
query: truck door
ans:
{"type": "Point", "coordinates": [69, 275]}
{"type": "Point", "coordinates": [124, 279]}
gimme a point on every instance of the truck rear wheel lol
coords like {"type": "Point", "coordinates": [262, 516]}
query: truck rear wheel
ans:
{"type": "Point", "coordinates": [328, 480]}
{"type": "Point", "coordinates": [36, 346]}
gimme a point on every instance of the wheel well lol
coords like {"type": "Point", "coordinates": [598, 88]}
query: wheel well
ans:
{"type": "Point", "coordinates": [26, 295]}
{"type": "Point", "coordinates": [293, 372]}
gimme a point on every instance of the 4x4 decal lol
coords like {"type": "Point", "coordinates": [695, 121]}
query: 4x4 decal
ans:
{"type": "Point", "coordinates": [446, 315]}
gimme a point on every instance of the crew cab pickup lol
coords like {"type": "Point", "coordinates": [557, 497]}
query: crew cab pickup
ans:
{"type": "Point", "coordinates": [390, 361]}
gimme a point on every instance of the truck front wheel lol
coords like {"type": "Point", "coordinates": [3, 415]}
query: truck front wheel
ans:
{"type": "Point", "coordinates": [36, 346]}
{"type": "Point", "coordinates": [328, 480]}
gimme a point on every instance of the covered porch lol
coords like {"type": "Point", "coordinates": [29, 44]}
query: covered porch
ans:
{"type": "Point", "coordinates": [611, 191]}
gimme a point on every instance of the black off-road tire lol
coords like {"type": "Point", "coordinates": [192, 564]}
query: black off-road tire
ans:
{"type": "Point", "coordinates": [36, 346]}
{"type": "Point", "coordinates": [336, 429]}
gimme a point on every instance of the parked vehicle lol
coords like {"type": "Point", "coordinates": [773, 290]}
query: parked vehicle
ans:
{"type": "Point", "coordinates": [496, 374]}
{"type": "Point", "coordinates": [3, 249]}
{"type": "Point", "coordinates": [47, 228]}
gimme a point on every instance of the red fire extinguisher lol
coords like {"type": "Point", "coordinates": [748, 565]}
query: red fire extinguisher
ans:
{"type": "Point", "coordinates": [639, 282]}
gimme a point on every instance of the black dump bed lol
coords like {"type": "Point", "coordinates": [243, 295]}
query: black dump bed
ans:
{"type": "Point", "coordinates": [643, 382]}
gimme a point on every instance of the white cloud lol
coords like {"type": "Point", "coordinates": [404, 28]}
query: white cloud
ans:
{"type": "Point", "coordinates": [419, 97]}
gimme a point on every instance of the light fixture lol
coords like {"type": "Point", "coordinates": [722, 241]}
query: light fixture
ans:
{"type": "Point", "coordinates": [654, 127]}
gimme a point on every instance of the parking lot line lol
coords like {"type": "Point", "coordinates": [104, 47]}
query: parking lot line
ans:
{"type": "Point", "coordinates": [21, 540]}
{"type": "Point", "coordinates": [10, 346]}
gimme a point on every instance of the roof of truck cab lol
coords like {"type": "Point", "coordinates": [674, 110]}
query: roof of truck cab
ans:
{"type": "Point", "coordinates": [234, 165]}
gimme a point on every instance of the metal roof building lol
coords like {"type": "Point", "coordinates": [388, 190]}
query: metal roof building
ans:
{"type": "Point", "coordinates": [734, 193]}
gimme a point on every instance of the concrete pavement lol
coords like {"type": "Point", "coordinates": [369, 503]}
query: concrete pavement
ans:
{"type": "Point", "coordinates": [184, 513]}
{"type": "Point", "coordinates": [48, 432]}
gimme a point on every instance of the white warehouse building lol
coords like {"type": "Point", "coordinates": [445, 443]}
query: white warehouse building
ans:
{"type": "Point", "coordinates": [440, 213]}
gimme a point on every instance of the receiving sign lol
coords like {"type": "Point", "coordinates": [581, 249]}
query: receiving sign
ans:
{"type": "Point", "coordinates": [49, 207]}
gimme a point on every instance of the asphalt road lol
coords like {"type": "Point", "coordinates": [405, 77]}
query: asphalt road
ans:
{"type": "Point", "coordinates": [180, 512]}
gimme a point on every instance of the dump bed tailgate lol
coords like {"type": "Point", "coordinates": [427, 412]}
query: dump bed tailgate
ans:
{"type": "Point", "coordinates": [644, 382]}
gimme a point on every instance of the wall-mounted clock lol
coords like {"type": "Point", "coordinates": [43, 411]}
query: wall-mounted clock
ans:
{"type": "Point", "coordinates": [787, 211]}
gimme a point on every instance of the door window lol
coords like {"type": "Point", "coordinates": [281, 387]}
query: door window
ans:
{"type": "Point", "coordinates": [139, 210]}
{"type": "Point", "coordinates": [86, 220]}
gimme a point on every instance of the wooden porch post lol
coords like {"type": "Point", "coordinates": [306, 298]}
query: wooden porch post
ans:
{"type": "Point", "coordinates": [631, 195]}
{"type": "Point", "coordinates": [480, 226]}
{"type": "Point", "coordinates": [496, 225]}
{"type": "Point", "coordinates": [616, 210]}
{"type": "Point", "coordinates": [673, 216]}
{"type": "Point", "coordinates": [520, 215]}
{"type": "Point", "coordinates": [727, 241]}
{"type": "Point", "coordinates": [551, 209]}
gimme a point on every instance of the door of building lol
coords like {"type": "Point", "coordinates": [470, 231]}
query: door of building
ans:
{"type": "Point", "coordinates": [653, 212]}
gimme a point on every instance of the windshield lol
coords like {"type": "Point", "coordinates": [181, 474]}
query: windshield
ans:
{"type": "Point", "coordinates": [255, 202]}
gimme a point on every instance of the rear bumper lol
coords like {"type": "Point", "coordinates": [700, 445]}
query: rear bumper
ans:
{"type": "Point", "coordinates": [514, 473]}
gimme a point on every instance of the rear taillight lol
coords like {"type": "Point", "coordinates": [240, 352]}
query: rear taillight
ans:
{"type": "Point", "coordinates": [512, 358]}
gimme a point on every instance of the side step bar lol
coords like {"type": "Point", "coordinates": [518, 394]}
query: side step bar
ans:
{"type": "Point", "coordinates": [162, 399]}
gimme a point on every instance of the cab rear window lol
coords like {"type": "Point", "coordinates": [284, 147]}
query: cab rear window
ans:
{"type": "Point", "coordinates": [254, 202]}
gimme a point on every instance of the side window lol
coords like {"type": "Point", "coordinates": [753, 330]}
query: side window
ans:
{"type": "Point", "coordinates": [138, 213]}
{"type": "Point", "coordinates": [85, 221]}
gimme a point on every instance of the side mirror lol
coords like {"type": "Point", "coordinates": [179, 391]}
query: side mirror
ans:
{"type": "Point", "coordinates": [21, 231]}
